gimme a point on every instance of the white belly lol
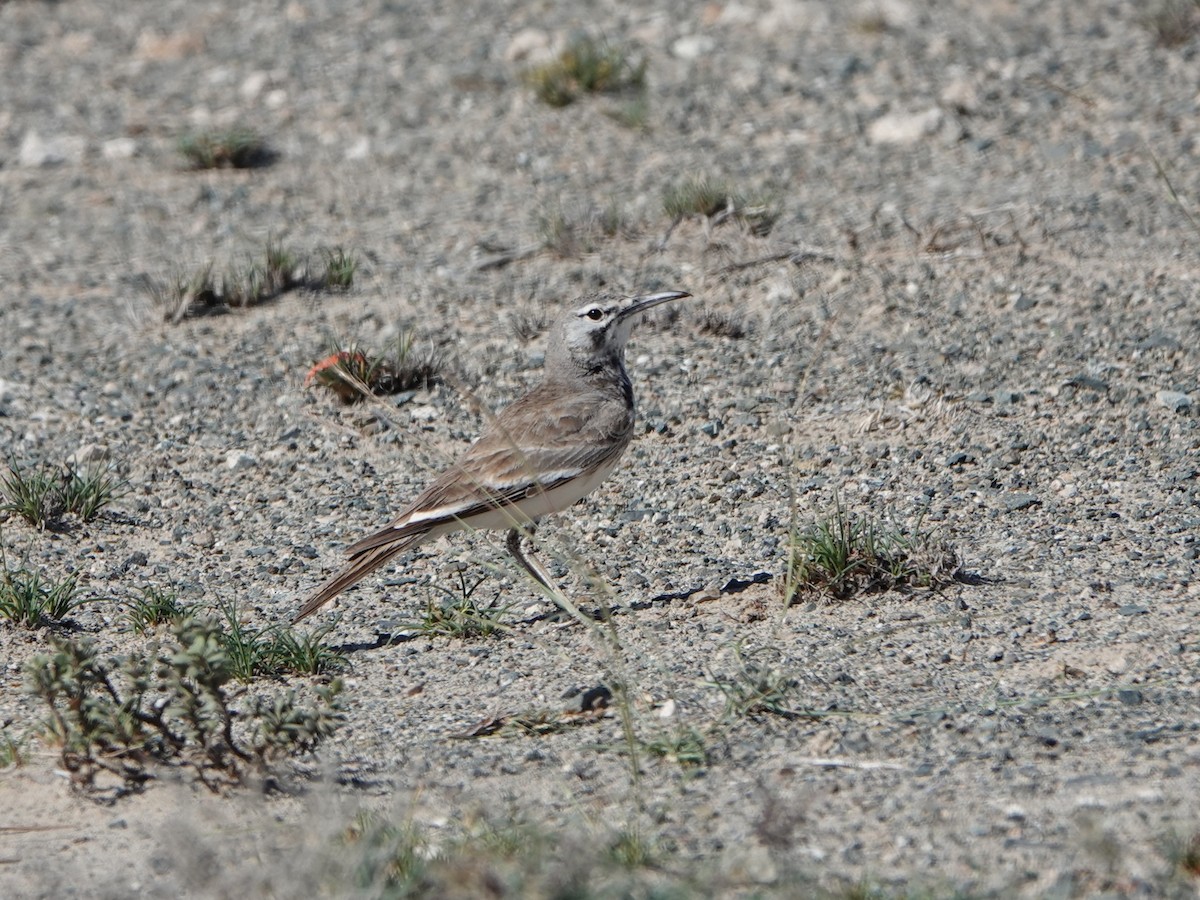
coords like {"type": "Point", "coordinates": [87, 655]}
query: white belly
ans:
{"type": "Point", "coordinates": [555, 500]}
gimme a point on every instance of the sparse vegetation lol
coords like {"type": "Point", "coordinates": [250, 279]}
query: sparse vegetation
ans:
{"type": "Point", "coordinates": [29, 600]}
{"type": "Point", "coordinates": [33, 494]}
{"type": "Point", "coordinates": [587, 66]}
{"type": "Point", "coordinates": [718, 201]}
{"type": "Point", "coordinates": [85, 492]}
{"type": "Point", "coordinates": [572, 233]}
{"type": "Point", "coordinates": [757, 688]}
{"type": "Point", "coordinates": [686, 747]}
{"type": "Point", "coordinates": [279, 270]}
{"type": "Point", "coordinates": [1171, 22]}
{"type": "Point", "coordinates": [459, 615]}
{"type": "Point", "coordinates": [380, 857]}
{"type": "Point", "coordinates": [156, 606]}
{"type": "Point", "coordinates": [528, 324]}
{"type": "Point", "coordinates": [697, 196]}
{"type": "Point", "coordinates": [273, 650]}
{"type": "Point", "coordinates": [844, 555]}
{"type": "Point", "coordinates": [353, 374]}
{"type": "Point", "coordinates": [721, 324]}
{"type": "Point", "coordinates": [171, 706]}
{"type": "Point", "coordinates": [233, 148]}
{"type": "Point", "coordinates": [11, 753]}
{"type": "Point", "coordinates": [43, 494]}
{"type": "Point", "coordinates": [1183, 853]}
{"type": "Point", "coordinates": [338, 268]}
{"type": "Point", "coordinates": [630, 849]}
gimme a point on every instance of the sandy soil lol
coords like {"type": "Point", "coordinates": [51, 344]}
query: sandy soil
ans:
{"type": "Point", "coordinates": [977, 308]}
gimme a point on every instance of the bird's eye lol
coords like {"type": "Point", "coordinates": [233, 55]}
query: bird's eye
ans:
{"type": "Point", "coordinates": [595, 313]}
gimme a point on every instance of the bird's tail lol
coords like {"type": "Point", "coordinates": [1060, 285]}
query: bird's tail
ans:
{"type": "Point", "coordinates": [360, 566]}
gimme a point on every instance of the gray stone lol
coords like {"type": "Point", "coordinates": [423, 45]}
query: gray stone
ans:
{"type": "Point", "coordinates": [1176, 401]}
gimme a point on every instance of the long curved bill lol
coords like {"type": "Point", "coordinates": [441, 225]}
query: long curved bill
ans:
{"type": "Point", "coordinates": [645, 301]}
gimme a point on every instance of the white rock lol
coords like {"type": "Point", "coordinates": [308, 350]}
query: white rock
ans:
{"type": "Point", "coordinates": [667, 710]}
{"type": "Point", "coordinates": [119, 148]}
{"type": "Point", "coordinates": [253, 84]}
{"type": "Point", "coordinates": [1177, 401]}
{"type": "Point", "coordinates": [240, 459]}
{"type": "Point", "coordinates": [424, 413]}
{"type": "Point", "coordinates": [901, 128]}
{"type": "Point", "coordinates": [693, 46]}
{"type": "Point", "coordinates": [359, 149]}
{"type": "Point", "coordinates": [38, 152]}
{"type": "Point", "coordinates": [961, 96]}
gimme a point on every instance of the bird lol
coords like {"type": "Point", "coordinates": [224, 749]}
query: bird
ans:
{"type": "Point", "coordinates": [540, 455]}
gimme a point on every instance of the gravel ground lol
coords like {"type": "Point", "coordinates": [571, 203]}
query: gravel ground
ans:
{"type": "Point", "coordinates": [977, 308]}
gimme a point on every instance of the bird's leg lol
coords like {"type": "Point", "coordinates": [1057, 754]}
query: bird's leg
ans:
{"type": "Point", "coordinates": [529, 563]}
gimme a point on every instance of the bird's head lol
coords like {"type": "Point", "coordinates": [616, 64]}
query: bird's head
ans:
{"type": "Point", "coordinates": [592, 336]}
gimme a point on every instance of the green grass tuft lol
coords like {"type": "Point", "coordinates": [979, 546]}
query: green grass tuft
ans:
{"type": "Point", "coordinates": [155, 607]}
{"type": "Point", "coordinates": [587, 66]}
{"type": "Point", "coordinates": [843, 555]}
{"type": "Point", "coordinates": [28, 600]}
{"type": "Point", "coordinates": [338, 269]}
{"type": "Point", "coordinates": [459, 615]}
{"type": "Point", "coordinates": [233, 148]}
{"type": "Point", "coordinates": [33, 494]}
{"type": "Point", "coordinates": [274, 650]}
{"type": "Point", "coordinates": [703, 195]}
{"type": "Point", "coordinates": [756, 688]}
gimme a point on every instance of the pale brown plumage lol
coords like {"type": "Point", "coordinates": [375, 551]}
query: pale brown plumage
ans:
{"type": "Point", "coordinates": [540, 455]}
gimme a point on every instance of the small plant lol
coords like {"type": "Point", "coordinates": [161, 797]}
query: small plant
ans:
{"type": "Point", "coordinates": [1183, 852]}
{"type": "Point", "coordinates": [757, 688]}
{"type": "Point", "coordinates": [842, 556]}
{"type": "Point", "coordinates": [306, 654]}
{"type": "Point", "coordinates": [86, 492]}
{"type": "Point", "coordinates": [412, 368]}
{"type": "Point", "coordinates": [11, 754]}
{"type": "Point", "coordinates": [630, 849]}
{"type": "Point", "coordinates": [574, 233]}
{"type": "Point", "coordinates": [273, 650]}
{"type": "Point", "coordinates": [190, 294]}
{"type": "Point", "coordinates": [256, 281]}
{"type": "Point", "coordinates": [1172, 22]}
{"type": "Point", "coordinates": [459, 615]}
{"type": "Point", "coordinates": [697, 196]}
{"type": "Point", "coordinates": [259, 282]}
{"type": "Point", "coordinates": [33, 494]}
{"type": "Point", "coordinates": [718, 201]}
{"type": "Point", "coordinates": [686, 747]}
{"type": "Point", "coordinates": [528, 324]}
{"type": "Point", "coordinates": [633, 113]}
{"type": "Point", "coordinates": [155, 607]}
{"type": "Point", "coordinates": [587, 66]}
{"type": "Point", "coordinates": [26, 599]}
{"type": "Point", "coordinates": [171, 707]}
{"type": "Point", "coordinates": [390, 859]}
{"type": "Point", "coordinates": [338, 269]}
{"type": "Point", "coordinates": [353, 374]}
{"type": "Point", "coordinates": [234, 148]}
{"type": "Point", "coordinates": [726, 325]}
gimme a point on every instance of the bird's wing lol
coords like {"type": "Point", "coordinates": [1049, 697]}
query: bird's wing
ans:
{"type": "Point", "coordinates": [542, 441]}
